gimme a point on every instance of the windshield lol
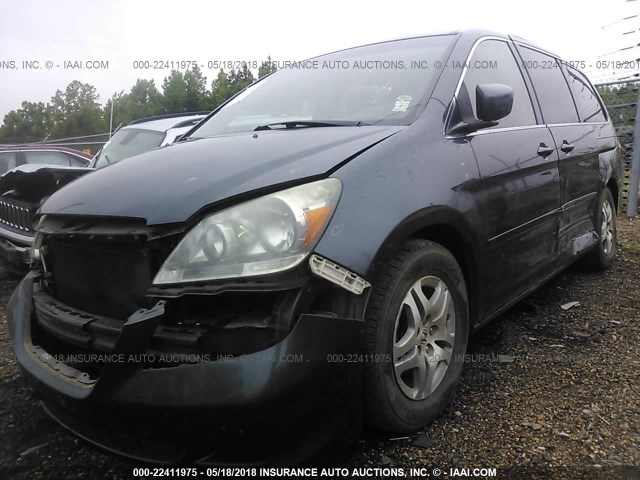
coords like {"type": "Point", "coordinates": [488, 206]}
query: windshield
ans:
{"type": "Point", "coordinates": [127, 143]}
{"type": "Point", "coordinates": [382, 84]}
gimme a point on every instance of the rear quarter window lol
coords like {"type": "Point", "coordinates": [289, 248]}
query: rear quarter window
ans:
{"type": "Point", "coordinates": [589, 107]}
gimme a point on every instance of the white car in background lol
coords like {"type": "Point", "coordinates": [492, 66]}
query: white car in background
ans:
{"type": "Point", "coordinates": [145, 134]}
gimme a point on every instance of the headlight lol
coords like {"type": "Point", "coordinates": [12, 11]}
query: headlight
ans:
{"type": "Point", "coordinates": [262, 236]}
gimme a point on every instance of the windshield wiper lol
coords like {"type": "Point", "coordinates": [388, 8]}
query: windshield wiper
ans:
{"type": "Point", "coordinates": [107, 159]}
{"type": "Point", "coordinates": [311, 123]}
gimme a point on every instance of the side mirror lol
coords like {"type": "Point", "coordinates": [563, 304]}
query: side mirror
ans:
{"type": "Point", "coordinates": [493, 101]}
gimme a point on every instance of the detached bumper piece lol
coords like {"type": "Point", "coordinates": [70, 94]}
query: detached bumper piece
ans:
{"type": "Point", "coordinates": [338, 275]}
{"type": "Point", "coordinates": [281, 404]}
{"type": "Point", "coordinates": [100, 334]}
{"type": "Point", "coordinates": [14, 256]}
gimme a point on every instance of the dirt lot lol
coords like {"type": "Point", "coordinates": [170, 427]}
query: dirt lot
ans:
{"type": "Point", "coordinates": [547, 393]}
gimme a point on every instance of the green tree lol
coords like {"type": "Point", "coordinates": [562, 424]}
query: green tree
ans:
{"type": "Point", "coordinates": [240, 79]}
{"type": "Point", "coordinates": [174, 93]}
{"type": "Point", "coordinates": [143, 100]}
{"type": "Point", "coordinates": [220, 89]}
{"type": "Point", "coordinates": [86, 120]}
{"type": "Point", "coordinates": [75, 111]}
{"type": "Point", "coordinates": [27, 124]}
{"type": "Point", "coordinates": [196, 87]}
{"type": "Point", "coordinates": [266, 67]}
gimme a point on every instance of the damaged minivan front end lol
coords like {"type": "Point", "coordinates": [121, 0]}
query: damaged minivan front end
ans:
{"type": "Point", "coordinates": [222, 321]}
{"type": "Point", "coordinates": [203, 304]}
{"type": "Point", "coordinates": [112, 351]}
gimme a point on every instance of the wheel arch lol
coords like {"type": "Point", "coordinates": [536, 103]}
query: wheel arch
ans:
{"type": "Point", "coordinates": [447, 227]}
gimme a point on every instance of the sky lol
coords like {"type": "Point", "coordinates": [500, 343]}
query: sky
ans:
{"type": "Point", "coordinates": [123, 32]}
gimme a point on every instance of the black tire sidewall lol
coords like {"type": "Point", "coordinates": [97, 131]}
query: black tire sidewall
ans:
{"type": "Point", "coordinates": [401, 413]}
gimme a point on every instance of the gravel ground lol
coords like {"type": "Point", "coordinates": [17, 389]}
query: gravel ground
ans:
{"type": "Point", "coordinates": [547, 393]}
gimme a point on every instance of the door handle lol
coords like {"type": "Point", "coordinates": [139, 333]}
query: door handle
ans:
{"type": "Point", "coordinates": [545, 151]}
{"type": "Point", "coordinates": [566, 147]}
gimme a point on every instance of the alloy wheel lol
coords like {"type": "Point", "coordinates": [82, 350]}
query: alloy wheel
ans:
{"type": "Point", "coordinates": [607, 228]}
{"type": "Point", "coordinates": [424, 337]}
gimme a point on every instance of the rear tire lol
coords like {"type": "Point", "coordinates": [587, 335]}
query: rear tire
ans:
{"type": "Point", "coordinates": [603, 254]}
{"type": "Point", "coordinates": [416, 333]}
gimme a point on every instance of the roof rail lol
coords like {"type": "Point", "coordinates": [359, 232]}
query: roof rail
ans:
{"type": "Point", "coordinates": [167, 115]}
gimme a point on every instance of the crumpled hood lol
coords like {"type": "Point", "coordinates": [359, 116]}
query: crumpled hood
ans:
{"type": "Point", "coordinates": [170, 184]}
{"type": "Point", "coordinates": [32, 183]}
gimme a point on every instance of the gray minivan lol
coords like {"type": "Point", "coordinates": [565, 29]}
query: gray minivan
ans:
{"type": "Point", "coordinates": [316, 252]}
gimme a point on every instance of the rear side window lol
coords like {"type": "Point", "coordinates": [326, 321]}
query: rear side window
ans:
{"type": "Point", "coordinates": [8, 160]}
{"type": "Point", "coordinates": [550, 86]}
{"type": "Point", "coordinates": [589, 107]}
{"type": "Point", "coordinates": [493, 62]}
{"type": "Point", "coordinates": [47, 158]}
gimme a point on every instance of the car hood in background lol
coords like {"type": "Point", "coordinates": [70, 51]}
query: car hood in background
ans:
{"type": "Point", "coordinates": [170, 184]}
{"type": "Point", "coordinates": [32, 183]}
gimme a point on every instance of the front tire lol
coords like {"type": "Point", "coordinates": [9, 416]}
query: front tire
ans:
{"type": "Point", "coordinates": [416, 331]}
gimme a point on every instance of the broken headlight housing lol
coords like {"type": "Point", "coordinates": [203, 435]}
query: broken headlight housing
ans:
{"type": "Point", "coordinates": [270, 234]}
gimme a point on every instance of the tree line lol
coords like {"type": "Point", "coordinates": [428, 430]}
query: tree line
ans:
{"type": "Point", "coordinates": [76, 110]}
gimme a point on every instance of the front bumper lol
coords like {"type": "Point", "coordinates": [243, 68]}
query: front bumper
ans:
{"type": "Point", "coordinates": [250, 409]}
